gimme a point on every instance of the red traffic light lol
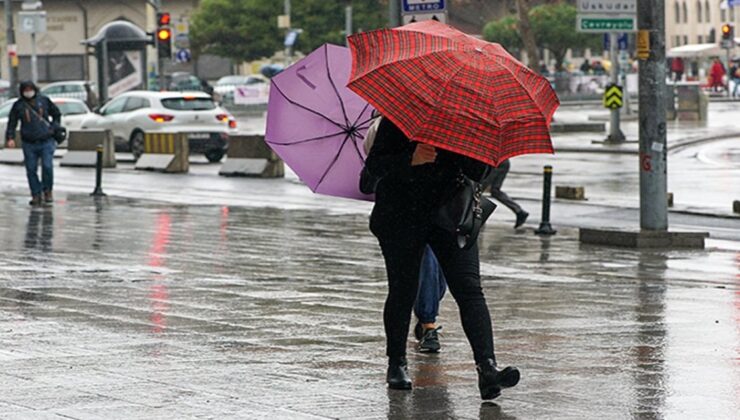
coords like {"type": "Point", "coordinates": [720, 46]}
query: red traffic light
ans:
{"type": "Point", "coordinates": [163, 19]}
{"type": "Point", "coordinates": [164, 34]}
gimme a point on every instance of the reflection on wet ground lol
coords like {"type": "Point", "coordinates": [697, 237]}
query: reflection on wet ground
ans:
{"type": "Point", "coordinates": [127, 309]}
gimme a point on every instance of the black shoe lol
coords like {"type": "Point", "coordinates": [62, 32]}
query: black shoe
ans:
{"type": "Point", "coordinates": [418, 331]}
{"type": "Point", "coordinates": [521, 217]}
{"type": "Point", "coordinates": [398, 375]}
{"type": "Point", "coordinates": [36, 201]}
{"type": "Point", "coordinates": [429, 342]}
{"type": "Point", "coordinates": [491, 380]}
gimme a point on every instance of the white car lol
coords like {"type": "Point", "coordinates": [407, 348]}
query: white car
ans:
{"type": "Point", "coordinates": [74, 111]}
{"type": "Point", "coordinates": [226, 85]}
{"type": "Point", "coordinates": [130, 114]}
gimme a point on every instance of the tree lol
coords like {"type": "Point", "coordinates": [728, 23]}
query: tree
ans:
{"type": "Point", "coordinates": [245, 30]}
{"type": "Point", "coordinates": [554, 26]}
{"type": "Point", "coordinates": [505, 32]}
{"type": "Point", "coordinates": [527, 34]}
{"type": "Point", "coordinates": [242, 30]}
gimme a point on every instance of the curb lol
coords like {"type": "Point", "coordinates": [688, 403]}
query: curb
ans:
{"type": "Point", "coordinates": [674, 148]}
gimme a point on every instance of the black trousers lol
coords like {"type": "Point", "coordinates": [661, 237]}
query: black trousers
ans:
{"type": "Point", "coordinates": [403, 251]}
{"type": "Point", "coordinates": [496, 180]}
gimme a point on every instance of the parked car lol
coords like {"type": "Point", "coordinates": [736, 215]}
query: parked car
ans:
{"type": "Point", "coordinates": [74, 111]}
{"type": "Point", "coordinates": [226, 85]}
{"type": "Point", "coordinates": [130, 114]}
{"type": "Point", "coordinates": [80, 89]}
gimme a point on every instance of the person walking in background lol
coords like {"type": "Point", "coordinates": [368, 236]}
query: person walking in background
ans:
{"type": "Point", "coordinates": [677, 68]}
{"type": "Point", "coordinates": [716, 74]}
{"type": "Point", "coordinates": [413, 181]}
{"type": "Point", "coordinates": [496, 179]}
{"type": "Point", "coordinates": [734, 77]}
{"type": "Point", "coordinates": [432, 288]}
{"type": "Point", "coordinates": [35, 111]}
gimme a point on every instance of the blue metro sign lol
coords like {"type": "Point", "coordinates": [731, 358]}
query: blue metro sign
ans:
{"type": "Point", "coordinates": [415, 6]}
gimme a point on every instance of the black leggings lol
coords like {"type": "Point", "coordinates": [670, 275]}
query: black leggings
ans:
{"type": "Point", "coordinates": [403, 252]}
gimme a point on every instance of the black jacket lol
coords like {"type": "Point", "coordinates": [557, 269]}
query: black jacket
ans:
{"type": "Point", "coordinates": [409, 196]}
{"type": "Point", "coordinates": [33, 128]}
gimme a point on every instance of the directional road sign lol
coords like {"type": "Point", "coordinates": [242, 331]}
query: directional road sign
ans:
{"type": "Point", "coordinates": [418, 17]}
{"type": "Point", "coordinates": [607, 16]}
{"type": "Point", "coordinates": [613, 96]}
{"type": "Point", "coordinates": [416, 6]}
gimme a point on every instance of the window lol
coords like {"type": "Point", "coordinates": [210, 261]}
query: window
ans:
{"type": "Point", "coordinates": [677, 41]}
{"type": "Point", "coordinates": [74, 89]}
{"type": "Point", "coordinates": [723, 15]}
{"type": "Point", "coordinates": [698, 11]}
{"type": "Point", "coordinates": [700, 39]}
{"type": "Point", "coordinates": [114, 107]}
{"type": "Point", "coordinates": [52, 90]}
{"type": "Point", "coordinates": [188, 104]}
{"type": "Point", "coordinates": [685, 13]}
{"type": "Point", "coordinates": [707, 15]}
{"type": "Point", "coordinates": [72, 108]}
{"type": "Point", "coordinates": [676, 12]}
{"type": "Point", "coordinates": [732, 14]}
{"type": "Point", "coordinates": [135, 103]}
{"type": "Point", "coordinates": [685, 39]}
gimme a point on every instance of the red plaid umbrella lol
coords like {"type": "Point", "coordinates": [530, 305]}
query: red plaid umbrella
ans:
{"type": "Point", "coordinates": [452, 91]}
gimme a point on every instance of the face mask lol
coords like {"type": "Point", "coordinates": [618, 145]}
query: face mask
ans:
{"type": "Point", "coordinates": [28, 94]}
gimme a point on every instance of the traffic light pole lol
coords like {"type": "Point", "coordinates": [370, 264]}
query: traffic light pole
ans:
{"type": "Point", "coordinates": [653, 150]}
{"type": "Point", "coordinates": [10, 38]}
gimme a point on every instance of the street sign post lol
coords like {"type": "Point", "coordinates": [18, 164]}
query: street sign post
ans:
{"type": "Point", "coordinates": [33, 23]}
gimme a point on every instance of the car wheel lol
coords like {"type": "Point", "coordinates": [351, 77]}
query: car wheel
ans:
{"type": "Point", "coordinates": [137, 144]}
{"type": "Point", "coordinates": [214, 155]}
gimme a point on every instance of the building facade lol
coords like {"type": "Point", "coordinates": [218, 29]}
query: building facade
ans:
{"type": "Point", "coordinates": [60, 50]}
{"type": "Point", "coordinates": [697, 21]}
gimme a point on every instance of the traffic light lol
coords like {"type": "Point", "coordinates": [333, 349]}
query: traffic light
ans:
{"type": "Point", "coordinates": [164, 36]}
{"type": "Point", "coordinates": [728, 32]}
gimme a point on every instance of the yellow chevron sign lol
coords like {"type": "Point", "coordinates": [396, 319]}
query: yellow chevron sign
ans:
{"type": "Point", "coordinates": [613, 96]}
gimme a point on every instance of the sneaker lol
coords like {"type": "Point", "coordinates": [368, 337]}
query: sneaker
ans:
{"type": "Point", "coordinates": [48, 197]}
{"type": "Point", "coordinates": [429, 342]}
{"type": "Point", "coordinates": [36, 201]}
{"type": "Point", "coordinates": [521, 217]}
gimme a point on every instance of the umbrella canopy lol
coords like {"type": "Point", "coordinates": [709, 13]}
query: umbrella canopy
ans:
{"type": "Point", "coordinates": [316, 125]}
{"type": "Point", "coordinates": [453, 91]}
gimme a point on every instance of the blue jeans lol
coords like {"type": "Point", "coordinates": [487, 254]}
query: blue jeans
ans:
{"type": "Point", "coordinates": [432, 287]}
{"type": "Point", "coordinates": [32, 152]}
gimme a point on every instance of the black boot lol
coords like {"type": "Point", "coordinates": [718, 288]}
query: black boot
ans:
{"type": "Point", "coordinates": [398, 375]}
{"type": "Point", "coordinates": [491, 380]}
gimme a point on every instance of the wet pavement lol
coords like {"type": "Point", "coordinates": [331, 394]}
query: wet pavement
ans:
{"type": "Point", "coordinates": [129, 308]}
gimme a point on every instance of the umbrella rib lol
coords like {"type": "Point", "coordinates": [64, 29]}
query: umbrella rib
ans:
{"type": "Point", "coordinates": [328, 136]}
{"type": "Point", "coordinates": [336, 91]}
{"type": "Point", "coordinates": [357, 149]}
{"type": "Point", "coordinates": [292, 102]}
{"type": "Point", "coordinates": [354, 124]}
{"type": "Point", "coordinates": [333, 162]}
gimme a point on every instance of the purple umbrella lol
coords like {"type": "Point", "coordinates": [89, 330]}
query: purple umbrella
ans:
{"type": "Point", "coordinates": [316, 124]}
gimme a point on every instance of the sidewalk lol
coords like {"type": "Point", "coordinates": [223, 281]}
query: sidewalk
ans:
{"type": "Point", "coordinates": [140, 309]}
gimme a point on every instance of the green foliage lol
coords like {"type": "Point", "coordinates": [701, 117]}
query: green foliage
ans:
{"type": "Point", "coordinates": [242, 30]}
{"type": "Point", "coordinates": [245, 30]}
{"type": "Point", "coordinates": [554, 27]}
{"type": "Point", "coordinates": [504, 31]}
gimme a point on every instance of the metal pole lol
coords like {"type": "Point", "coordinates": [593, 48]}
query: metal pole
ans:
{"type": "Point", "coordinates": [10, 40]}
{"type": "Point", "coordinates": [545, 227]}
{"type": "Point", "coordinates": [34, 60]}
{"type": "Point", "coordinates": [98, 192]}
{"type": "Point", "coordinates": [348, 22]}
{"type": "Point", "coordinates": [623, 78]}
{"type": "Point", "coordinates": [615, 133]}
{"type": "Point", "coordinates": [394, 13]}
{"type": "Point", "coordinates": [653, 153]}
{"type": "Point", "coordinates": [288, 49]}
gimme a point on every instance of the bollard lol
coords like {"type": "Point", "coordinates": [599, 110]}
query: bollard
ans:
{"type": "Point", "coordinates": [545, 228]}
{"type": "Point", "coordinates": [99, 173]}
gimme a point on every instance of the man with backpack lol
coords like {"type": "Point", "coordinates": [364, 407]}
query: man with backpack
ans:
{"type": "Point", "coordinates": [39, 117]}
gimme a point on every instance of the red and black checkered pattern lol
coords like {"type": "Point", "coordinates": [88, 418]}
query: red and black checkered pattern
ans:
{"type": "Point", "coordinates": [453, 91]}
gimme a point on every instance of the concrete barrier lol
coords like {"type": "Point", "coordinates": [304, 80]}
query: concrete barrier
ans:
{"type": "Point", "coordinates": [165, 152]}
{"type": "Point", "coordinates": [82, 146]}
{"type": "Point", "coordinates": [670, 199]}
{"type": "Point", "coordinates": [249, 155]}
{"type": "Point", "coordinates": [570, 193]}
{"type": "Point", "coordinates": [692, 102]}
{"type": "Point", "coordinates": [13, 156]}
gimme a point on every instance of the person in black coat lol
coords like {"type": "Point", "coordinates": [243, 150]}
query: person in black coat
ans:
{"type": "Point", "coordinates": [413, 179]}
{"type": "Point", "coordinates": [38, 116]}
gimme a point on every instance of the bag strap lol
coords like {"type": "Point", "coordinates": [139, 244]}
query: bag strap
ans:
{"type": "Point", "coordinates": [38, 114]}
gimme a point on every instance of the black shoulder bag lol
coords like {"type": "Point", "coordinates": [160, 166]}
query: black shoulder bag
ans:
{"type": "Point", "coordinates": [465, 212]}
{"type": "Point", "coordinates": [58, 132]}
